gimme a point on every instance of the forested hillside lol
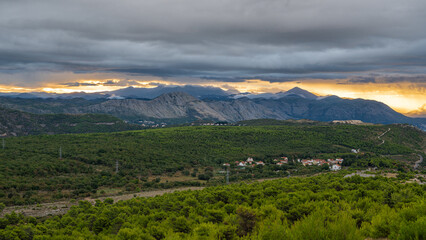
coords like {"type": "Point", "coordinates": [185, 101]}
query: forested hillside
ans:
{"type": "Point", "coordinates": [34, 172]}
{"type": "Point", "coordinates": [17, 123]}
{"type": "Point", "coordinates": [322, 207]}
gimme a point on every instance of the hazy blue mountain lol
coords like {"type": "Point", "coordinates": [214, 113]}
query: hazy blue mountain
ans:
{"type": "Point", "coordinates": [299, 92]}
{"type": "Point", "coordinates": [201, 92]}
{"type": "Point", "coordinates": [294, 91]}
{"type": "Point", "coordinates": [335, 108]}
{"type": "Point", "coordinates": [46, 95]}
{"type": "Point", "coordinates": [131, 92]}
{"type": "Point", "coordinates": [151, 93]}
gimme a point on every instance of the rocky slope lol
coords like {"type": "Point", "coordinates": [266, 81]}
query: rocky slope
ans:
{"type": "Point", "coordinates": [179, 107]}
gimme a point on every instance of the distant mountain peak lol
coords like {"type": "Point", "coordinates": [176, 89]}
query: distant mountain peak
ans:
{"type": "Point", "coordinates": [330, 97]}
{"type": "Point", "coordinates": [151, 93]}
{"type": "Point", "coordinates": [176, 97]}
{"type": "Point", "coordinates": [301, 92]}
{"type": "Point", "coordinates": [296, 89]}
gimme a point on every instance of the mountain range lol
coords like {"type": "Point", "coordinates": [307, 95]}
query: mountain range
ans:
{"type": "Point", "coordinates": [181, 107]}
{"type": "Point", "coordinates": [200, 92]}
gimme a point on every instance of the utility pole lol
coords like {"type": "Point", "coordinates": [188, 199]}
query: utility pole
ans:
{"type": "Point", "coordinates": [227, 175]}
{"type": "Point", "coordinates": [60, 152]}
{"type": "Point", "coordinates": [116, 166]}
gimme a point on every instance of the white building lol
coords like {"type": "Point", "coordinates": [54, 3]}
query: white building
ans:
{"type": "Point", "coordinates": [336, 167]}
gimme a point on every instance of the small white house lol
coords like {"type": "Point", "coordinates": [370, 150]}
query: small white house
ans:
{"type": "Point", "coordinates": [336, 167]}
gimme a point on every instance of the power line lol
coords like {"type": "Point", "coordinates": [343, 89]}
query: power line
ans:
{"type": "Point", "coordinates": [227, 175]}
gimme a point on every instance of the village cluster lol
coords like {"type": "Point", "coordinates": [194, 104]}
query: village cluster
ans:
{"type": "Point", "coordinates": [210, 124]}
{"type": "Point", "coordinates": [334, 164]}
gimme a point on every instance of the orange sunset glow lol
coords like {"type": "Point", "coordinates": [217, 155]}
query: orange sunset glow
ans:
{"type": "Point", "coordinates": [402, 97]}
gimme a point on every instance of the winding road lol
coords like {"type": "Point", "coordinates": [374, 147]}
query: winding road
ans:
{"type": "Point", "coordinates": [381, 135]}
{"type": "Point", "coordinates": [416, 165]}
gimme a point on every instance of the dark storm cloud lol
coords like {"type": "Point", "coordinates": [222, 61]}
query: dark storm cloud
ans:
{"type": "Point", "coordinates": [396, 79]}
{"type": "Point", "coordinates": [77, 84]}
{"type": "Point", "coordinates": [213, 39]}
{"type": "Point", "coordinates": [360, 79]}
{"type": "Point", "coordinates": [72, 84]}
{"type": "Point", "coordinates": [107, 82]}
{"type": "Point", "coordinates": [378, 78]}
{"type": "Point", "coordinates": [111, 83]}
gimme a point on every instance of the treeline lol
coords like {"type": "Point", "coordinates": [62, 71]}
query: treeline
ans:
{"type": "Point", "coordinates": [322, 207]}
{"type": "Point", "coordinates": [31, 164]}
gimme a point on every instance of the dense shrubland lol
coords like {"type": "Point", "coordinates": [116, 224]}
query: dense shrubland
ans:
{"type": "Point", "coordinates": [322, 207]}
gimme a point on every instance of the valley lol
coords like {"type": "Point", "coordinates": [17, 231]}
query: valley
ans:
{"type": "Point", "coordinates": [72, 166]}
{"type": "Point", "coordinates": [281, 173]}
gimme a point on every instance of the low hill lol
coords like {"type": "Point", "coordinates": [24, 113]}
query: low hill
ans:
{"type": "Point", "coordinates": [17, 123]}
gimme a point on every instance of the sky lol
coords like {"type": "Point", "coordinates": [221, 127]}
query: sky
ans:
{"type": "Point", "coordinates": [372, 49]}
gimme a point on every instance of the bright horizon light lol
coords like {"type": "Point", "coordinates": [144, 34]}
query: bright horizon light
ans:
{"type": "Point", "coordinates": [401, 97]}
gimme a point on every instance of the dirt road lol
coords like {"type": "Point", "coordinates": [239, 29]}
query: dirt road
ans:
{"type": "Point", "coordinates": [59, 208]}
{"type": "Point", "coordinates": [416, 165]}
{"type": "Point", "coordinates": [381, 135]}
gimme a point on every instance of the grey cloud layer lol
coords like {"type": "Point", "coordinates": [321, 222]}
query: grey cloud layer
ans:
{"type": "Point", "coordinates": [213, 39]}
